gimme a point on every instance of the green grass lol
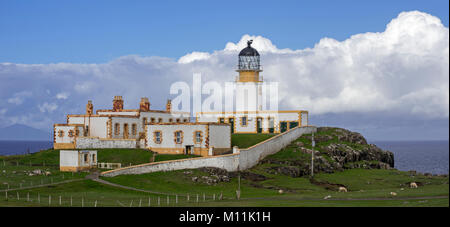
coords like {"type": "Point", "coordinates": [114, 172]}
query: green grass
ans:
{"type": "Point", "coordinates": [248, 140]}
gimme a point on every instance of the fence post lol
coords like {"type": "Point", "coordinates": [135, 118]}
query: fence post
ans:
{"type": "Point", "coordinates": [159, 201]}
{"type": "Point", "coordinates": [82, 201]}
{"type": "Point", "coordinates": [204, 197]}
{"type": "Point", "coordinates": [131, 203]}
{"type": "Point", "coordinates": [60, 200]}
{"type": "Point", "coordinates": [167, 200]}
{"type": "Point", "coordinates": [28, 197]}
{"type": "Point", "coordinates": [149, 201]}
{"type": "Point", "coordinates": [176, 199]}
{"type": "Point", "coordinates": [95, 204]}
{"type": "Point", "coordinates": [20, 185]}
{"type": "Point", "coordinates": [188, 197]}
{"type": "Point", "coordinates": [6, 195]}
{"type": "Point", "coordinates": [70, 200]}
{"type": "Point", "coordinates": [197, 198]}
{"type": "Point", "coordinates": [18, 196]}
{"type": "Point", "coordinates": [214, 196]}
{"type": "Point", "coordinates": [39, 198]}
{"type": "Point", "coordinates": [140, 201]}
{"type": "Point", "coordinates": [49, 200]}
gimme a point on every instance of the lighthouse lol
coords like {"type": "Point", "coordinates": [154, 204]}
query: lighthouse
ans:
{"type": "Point", "coordinates": [249, 83]}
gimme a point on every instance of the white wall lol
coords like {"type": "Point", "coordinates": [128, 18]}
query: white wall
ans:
{"type": "Point", "coordinates": [68, 158]}
{"type": "Point", "coordinates": [89, 143]}
{"type": "Point", "coordinates": [220, 136]}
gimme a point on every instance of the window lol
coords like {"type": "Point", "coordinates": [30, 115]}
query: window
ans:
{"type": "Point", "coordinates": [77, 132]}
{"type": "Point", "coordinates": [61, 133]}
{"type": "Point", "coordinates": [152, 120]}
{"type": "Point", "coordinates": [157, 137]}
{"type": "Point", "coordinates": [144, 121]}
{"type": "Point", "coordinates": [134, 129]}
{"type": "Point", "coordinates": [71, 132]}
{"type": "Point", "coordinates": [198, 137]}
{"type": "Point", "coordinates": [116, 129]}
{"type": "Point", "coordinates": [170, 119]}
{"type": "Point", "coordinates": [159, 120]}
{"type": "Point", "coordinates": [86, 132]}
{"type": "Point", "coordinates": [178, 137]}
{"type": "Point", "coordinates": [178, 120]}
{"type": "Point", "coordinates": [85, 157]}
{"type": "Point", "coordinates": [244, 121]}
{"type": "Point", "coordinates": [221, 120]}
{"type": "Point", "coordinates": [185, 120]}
{"type": "Point", "coordinates": [93, 158]}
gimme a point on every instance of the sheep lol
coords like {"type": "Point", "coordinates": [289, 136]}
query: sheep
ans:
{"type": "Point", "coordinates": [393, 194]}
{"type": "Point", "coordinates": [342, 189]}
{"type": "Point", "coordinates": [280, 191]}
{"type": "Point", "coordinates": [413, 185]}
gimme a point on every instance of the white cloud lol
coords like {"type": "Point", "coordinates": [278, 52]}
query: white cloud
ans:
{"type": "Point", "coordinates": [19, 98]}
{"type": "Point", "coordinates": [62, 95]}
{"type": "Point", "coordinates": [402, 71]}
{"type": "Point", "coordinates": [47, 107]}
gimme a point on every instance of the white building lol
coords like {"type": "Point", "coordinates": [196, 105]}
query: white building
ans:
{"type": "Point", "coordinates": [112, 128]}
{"type": "Point", "coordinates": [77, 160]}
{"type": "Point", "coordinates": [205, 139]}
{"type": "Point", "coordinates": [249, 116]}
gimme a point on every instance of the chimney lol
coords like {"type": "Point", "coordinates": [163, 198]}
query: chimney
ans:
{"type": "Point", "coordinates": [117, 104]}
{"type": "Point", "coordinates": [144, 105]}
{"type": "Point", "coordinates": [89, 108]}
{"type": "Point", "coordinates": [169, 106]}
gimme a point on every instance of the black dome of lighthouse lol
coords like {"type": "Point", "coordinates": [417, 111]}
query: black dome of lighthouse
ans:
{"type": "Point", "coordinates": [249, 51]}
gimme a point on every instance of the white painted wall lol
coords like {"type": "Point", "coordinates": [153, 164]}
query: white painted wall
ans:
{"type": "Point", "coordinates": [220, 136]}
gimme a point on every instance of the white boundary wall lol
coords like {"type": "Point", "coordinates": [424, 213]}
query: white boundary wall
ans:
{"type": "Point", "coordinates": [90, 143]}
{"type": "Point", "coordinates": [243, 160]}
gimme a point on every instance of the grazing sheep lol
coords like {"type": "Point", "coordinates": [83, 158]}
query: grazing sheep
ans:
{"type": "Point", "coordinates": [342, 189]}
{"type": "Point", "coordinates": [393, 194]}
{"type": "Point", "coordinates": [327, 197]}
{"type": "Point", "coordinates": [280, 191]}
{"type": "Point", "coordinates": [413, 185]}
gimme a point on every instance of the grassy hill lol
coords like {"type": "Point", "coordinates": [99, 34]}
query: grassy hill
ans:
{"type": "Point", "coordinates": [369, 183]}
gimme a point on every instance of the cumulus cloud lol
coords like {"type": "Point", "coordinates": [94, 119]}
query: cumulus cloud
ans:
{"type": "Point", "coordinates": [47, 107]}
{"type": "Point", "coordinates": [401, 71]}
{"type": "Point", "coordinates": [62, 95]}
{"type": "Point", "coordinates": [18, 98]}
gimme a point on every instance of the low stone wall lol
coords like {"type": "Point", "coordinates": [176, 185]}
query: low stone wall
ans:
{"type": "Point", "coordinates": [251, 156]}
{"type": "Point", "coordinates": [227, 162]}
{"type": "Point", "coordinates": [89, 143]}
{"type": "Point", "coordinates": [245, 159]}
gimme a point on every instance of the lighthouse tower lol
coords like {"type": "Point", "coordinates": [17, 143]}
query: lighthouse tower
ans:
{"type": "Point", "coordinates": [249, 83]}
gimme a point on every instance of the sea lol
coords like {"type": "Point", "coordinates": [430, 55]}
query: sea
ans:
{"type": "Point", "coordinates": [421, 156]}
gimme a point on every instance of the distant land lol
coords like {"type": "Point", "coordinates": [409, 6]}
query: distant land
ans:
{"type": "Point", "coordinates": [23, 132]}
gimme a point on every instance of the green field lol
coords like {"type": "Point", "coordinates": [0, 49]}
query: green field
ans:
{"type": "Point", "coordinates": [366, 187]}
{"type": "Point", "coordinates": [248, 140]}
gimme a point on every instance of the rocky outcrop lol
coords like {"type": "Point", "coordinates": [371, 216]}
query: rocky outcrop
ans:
{"type": "Point", "coordinates": [336, 149]}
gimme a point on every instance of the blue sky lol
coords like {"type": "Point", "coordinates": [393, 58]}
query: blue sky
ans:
{"type": "Point", "coordinates": [99, 31]}
{"type": "Point", "coordinates": [376, 67]}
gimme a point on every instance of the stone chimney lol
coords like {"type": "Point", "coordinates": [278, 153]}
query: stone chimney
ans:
{"type": "Point", "coordinates": [117, 104]}
{"type": "Point", "coordinates": [144, 105]}
{"type": "Point", "coordinates": [89, 108]}
{"type": "Point", "coordinates": [169, 106]}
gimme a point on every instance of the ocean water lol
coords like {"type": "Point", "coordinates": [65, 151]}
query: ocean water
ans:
{"type": "Point", "coordinates": [421, 156]}
{"type": "Point", "coordinates": [21, 147]}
